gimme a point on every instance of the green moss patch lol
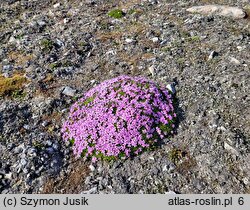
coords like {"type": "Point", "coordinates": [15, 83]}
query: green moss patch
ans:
{"type": "Point", "coordinates": [116, 13]}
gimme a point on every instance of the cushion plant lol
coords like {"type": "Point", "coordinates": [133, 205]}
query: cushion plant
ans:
{"type": "Point", "coordinates": [119, 117]}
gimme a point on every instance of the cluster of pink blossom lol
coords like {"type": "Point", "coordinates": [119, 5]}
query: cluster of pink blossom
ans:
{"type": "Point", "coordinates": [119, 117]}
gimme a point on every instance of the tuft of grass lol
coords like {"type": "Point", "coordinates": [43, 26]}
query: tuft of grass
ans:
{"type": "Point", "coordinates": [13, 85]}
{"type": "Point", "coordinates": [193, 38]}
{"type": "Point", "coordinates": [131, 11]}
{"type": "Point", "coordinates": [116, 13]}
{"type": "Point", "coordinates": [166, 49]}
{"type": "Point", "coordinates": [37, 145]}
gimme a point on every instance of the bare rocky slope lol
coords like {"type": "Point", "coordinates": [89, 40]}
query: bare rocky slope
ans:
{"type": "Point", "coordinates": [51, 52]}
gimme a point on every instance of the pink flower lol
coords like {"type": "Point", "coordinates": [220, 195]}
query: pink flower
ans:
{"type": "Point", "coordinates": [117, 116]}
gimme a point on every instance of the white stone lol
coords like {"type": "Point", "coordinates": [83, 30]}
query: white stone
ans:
{"type": "Point", "coordinates": [57, 5]}
{"type": "Point", "coordinates": [152, 70]}
{"type": "Point", "coordinates": [66, 20]}
{"type": "Point", "coordinates": [91, 167]}
{"type": "Point", "coordinates": [8, 176]}
{"type": "Point", "coordinates": [221, 10]}
{"type": "Point", "coordinates": [171, 88]}
{"type": "Point", "coordinates": [155, 39]}
{"type": "Point", "coordinates": [12, 39]}
{"type": "Point", "coordinates": [151, 158]}
{"type": "Point", "coordinates": [129, 40]}
{"type": "Point", "coordinates": [240, 48]}
{"type": "Point", "coordinates": [165, 168]}
{"type": "Point", "coordinates": [245, 180]}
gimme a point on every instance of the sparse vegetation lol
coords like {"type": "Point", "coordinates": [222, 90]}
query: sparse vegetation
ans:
{"type": "Point", "coordinates": [13, 85]}
{"type": "Point", "coordinates": [20, 58]}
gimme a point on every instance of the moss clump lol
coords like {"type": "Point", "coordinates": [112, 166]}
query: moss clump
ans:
{"type": "Point", "coordinates": [18, 94]}
{"type": "Point", "coordinates": [46, 45]}
{"type": "Point", "coordinates": [53, 66]}
{"type": "Point", "coordinates": [176, 155]}
{"type": "Point", "coordinates": [88, 100]}
{"type": "Point", "coordinates": [9, 86]}
{"type": "Point", "coordinates": [116, 13]}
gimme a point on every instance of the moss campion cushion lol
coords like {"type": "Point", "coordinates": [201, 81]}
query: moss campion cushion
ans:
{"type": "Point", "coordinates": [119, 117]}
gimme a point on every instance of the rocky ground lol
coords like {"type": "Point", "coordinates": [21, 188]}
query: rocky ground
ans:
{"type": "Point", "coordinates": [51, 52]}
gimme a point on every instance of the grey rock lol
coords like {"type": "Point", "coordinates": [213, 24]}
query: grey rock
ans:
{"type": "Point", "coordinates": [7, 68]}
{"type": "Point", "coordinates": [23, 162]}
{"type": "Point", "coordinates": [32, 152]}
{"type": "Point", "coordinates": [68, 91]}
{"type": "Point", "coordinates": [8, 176]}
{"type": "Point", "coordinates": [10, 146]}
{"type": "Point", "coordinates": [50, 150]}
{"type": "Point", "coordinates": [172, 167]}
{"type": "Point", "coordinates": [221, 10]}
{"type": "Point", "coordinates": [19, 149]}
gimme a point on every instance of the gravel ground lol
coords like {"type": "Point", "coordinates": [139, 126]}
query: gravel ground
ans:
{"type": "Point", "coordinates": [51, 52]}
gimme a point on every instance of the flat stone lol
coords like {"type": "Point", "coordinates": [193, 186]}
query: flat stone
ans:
{"type": "Point", "coordinates": [230, 148]}
{"type": "Point", "coordinates": [234, 61]}
{"type": "Point", "coordinates": [129, 40]}
{"type": "Point", "coordinates": [68, 91]}
{"type": "Point", "coordinates": [221, 10]}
